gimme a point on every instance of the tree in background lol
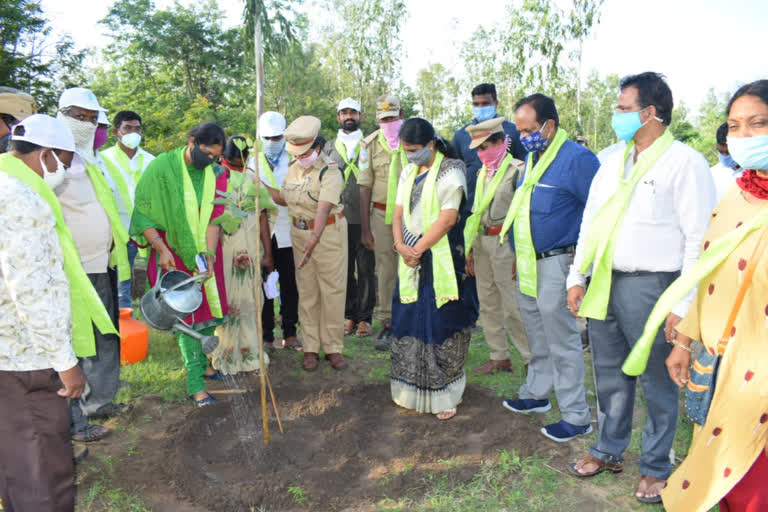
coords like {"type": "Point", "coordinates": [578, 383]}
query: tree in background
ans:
{"type": "Point", "coordinates": [30, 60]}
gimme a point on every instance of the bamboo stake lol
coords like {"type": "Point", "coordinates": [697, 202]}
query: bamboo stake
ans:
{"type": "Point", "coordinates": [274, 404]}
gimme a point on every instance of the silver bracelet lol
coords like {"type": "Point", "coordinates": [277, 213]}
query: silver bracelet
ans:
{"type": "Point", "coordinates": [678, 344]}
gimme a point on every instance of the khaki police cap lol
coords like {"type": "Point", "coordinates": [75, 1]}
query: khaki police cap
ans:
{"type": "Point", "coordinates": [481, 131]}
{"type": "Point", "coordinates": [300, 134]}
{"type": "Point", "coordinates": [387, 106]}
{"type": "Point", "coordinates": [16, 103]}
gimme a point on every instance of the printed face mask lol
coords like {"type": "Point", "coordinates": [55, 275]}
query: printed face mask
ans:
{"type": "Point", "coordinates": [535, 141]}
{"type": "Point", "coordinates": [273, 148]}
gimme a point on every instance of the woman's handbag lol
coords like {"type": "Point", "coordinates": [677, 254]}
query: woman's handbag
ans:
{"type": "Point", "coordinates": [701, 385]}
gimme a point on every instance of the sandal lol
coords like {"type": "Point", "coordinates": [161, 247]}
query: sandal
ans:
{"type": "Point", "coordinates": [446, 414]}
{"type": "Point", "coordinates": [92, 433]}
{"type": "Point", "coordinates": [295, 345]}
{"type": "Point", "coordinates": [349, 326]}
{"type": "Point", "coordinates": [217, 375]}
{"type": "Point", "coordinates": [647, 482]}
{"type": "Point", "coordinates": [363, 330]}
{"type": "Point", "coordinates": [111, 410]}
{"type": "Point", "coordinates": [607, 465]}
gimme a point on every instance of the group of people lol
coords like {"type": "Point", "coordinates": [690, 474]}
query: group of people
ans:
{"type": "Point", "coordinates": [512, 224]}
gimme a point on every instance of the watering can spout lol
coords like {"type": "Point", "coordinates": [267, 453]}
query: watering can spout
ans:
{"type": "Point", "coordinates": [209, 343]}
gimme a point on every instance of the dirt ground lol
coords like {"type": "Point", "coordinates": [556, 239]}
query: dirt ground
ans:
{"type": "Point", "coordinates": [346, 446]}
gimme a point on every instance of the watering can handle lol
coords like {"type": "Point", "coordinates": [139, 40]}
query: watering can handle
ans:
{"type": "Point", "coordinates": [199, 277]}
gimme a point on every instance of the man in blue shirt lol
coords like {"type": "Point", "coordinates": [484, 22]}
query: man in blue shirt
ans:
{"type": "Point", "coordinates": [556, 207]}
{"type": "Point", "coordinates": [484, 106]}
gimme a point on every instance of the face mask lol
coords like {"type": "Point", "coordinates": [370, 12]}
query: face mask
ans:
{"type": "Point", "coordinates": [53, 179]}
{"type": "Point", "coordinates": [200, 158]}
{"type": "Point", "coordinates": [626, 124]}
{"type": "Point", "coordinates": [131, 140]}
{"type": "Point", "coordinates": [750, 152]}
{"type": "Point", "coordinates": [391, 132]}
{"type": "Point", "coordinates": [492, 156]}
{"type": "Point", "coordinates": [100, 138]}
{"type": "Point", "coordinates": [309, 161]}
{"type": "Point", "coordinates": [4, 141]}
{"type": "Point", "coordinates": [273, 148]}
{"type": "Point", "coordinates": [535, 141]}
{"type": "Point", "coordinates": [727, 160]}
{"type": "Point", "coordinates": [421, 157]}
{"type": "Point", "coordinates": [484, 113]}
{"type": "Point", "coordinates": [83, 132]}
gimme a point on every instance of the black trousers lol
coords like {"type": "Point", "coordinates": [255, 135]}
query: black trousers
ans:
{"type": "Point", "coordinates": [36, 469]}
{"type": "Point", "coordinates": [289, 296]}
{"type": "Point", "coordinates": [361, 278]}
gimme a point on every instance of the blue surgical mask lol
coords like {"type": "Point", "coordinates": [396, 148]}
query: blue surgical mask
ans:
{"type": "Point", "coordinates": [626, 124]}
{"type": "Point", "coordinates": [534, 141]}
{"type": "Point", "coordinates": [484, 113]}
{"type": "Point", "coordinates": [750, 152]}
{"type": "Point", "coordinates": [727, 160]}
{"type": "Point", "coordinates": [273, 149]}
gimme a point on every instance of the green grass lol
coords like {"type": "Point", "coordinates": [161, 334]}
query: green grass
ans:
{"type": "Point", "coordinates": [161, 373]}
{"type": "Point", "coordinates": [102, 495]}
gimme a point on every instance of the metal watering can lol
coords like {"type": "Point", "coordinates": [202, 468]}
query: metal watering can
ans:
{"type": "Point", "coordinates": [175, 296]}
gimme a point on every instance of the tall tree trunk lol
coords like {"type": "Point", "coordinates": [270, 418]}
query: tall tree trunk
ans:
{"type": "Point", "coordinates": [578, 88]}
{"type": "Point", "coordinates": [259, 58]}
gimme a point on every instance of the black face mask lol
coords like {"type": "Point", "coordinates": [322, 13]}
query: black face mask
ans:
{"type": "Point", "coordinates": [200, 158]}
{"type": "Point", "coordinates": [5, 140]}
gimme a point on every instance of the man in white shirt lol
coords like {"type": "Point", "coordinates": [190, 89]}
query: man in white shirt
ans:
{"type": "Point", "coordinates": [347, 151]}
{"type": "Point", "coordinates": [125, 163]}
{"type": "Point", "coordinates": [87, 206]}
{"type": "Point", "coordinates": [38, 367]}
{"type": "Point", "coordinates": [273, 162]}
{"type": "Point", "coordinates": [651, 197]}
{"type": "Point", "coordinates": [725, 172]}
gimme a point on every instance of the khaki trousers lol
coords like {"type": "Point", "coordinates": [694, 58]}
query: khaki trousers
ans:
{"type": "Point", "coordinates": [386, 264]}
{"type": "Point", "coordinates": [497, 292]}
{"type": "Point", "coordinates": [322, 284]}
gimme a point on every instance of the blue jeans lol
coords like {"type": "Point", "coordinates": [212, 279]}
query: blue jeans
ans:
{"type": "Point", "coordinates": [633, 295]}
{"type": "Point", "coordinates": [124, 287]}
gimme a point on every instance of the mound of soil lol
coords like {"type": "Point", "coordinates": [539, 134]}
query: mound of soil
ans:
{"type": "Point", "coordinates": [345, 446]}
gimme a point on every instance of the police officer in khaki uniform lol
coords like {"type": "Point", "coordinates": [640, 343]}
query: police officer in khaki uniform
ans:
{"type": "Point", "coordinates": [312, 192]}
{"type": "Point", "coordinates": [378, 190]}
{"type": "Point", "coordinates": [490, 260]}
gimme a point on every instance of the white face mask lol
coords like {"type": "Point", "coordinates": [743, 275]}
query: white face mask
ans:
{"type": "Point", "coordinates": [131, 140]}
{"type": "Point", "coordinates": [53, 179]}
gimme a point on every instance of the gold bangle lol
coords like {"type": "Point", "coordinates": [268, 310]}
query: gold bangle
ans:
{"type": "Point", "coordinates": [686, 348]}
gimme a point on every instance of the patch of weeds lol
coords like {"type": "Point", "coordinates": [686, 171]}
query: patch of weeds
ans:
{"type": "Point", "coordinates": [101, 496]}
{"type": "Point", "coordinates": [390, 505]}
{"type": "Point", "coordinates": [161, 373]}
{"type": "Point", "coordinates": [298, 495]}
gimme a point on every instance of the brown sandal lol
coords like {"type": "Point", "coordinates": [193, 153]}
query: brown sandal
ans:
{"type": "Point", "coordinates": [349, 327]}
{"type": "Point", "coordinates": [363, 330]}
{"type": "Point", "coordinates": [613, 467]}
{"type": "Point", "coordinates": [647, 482]}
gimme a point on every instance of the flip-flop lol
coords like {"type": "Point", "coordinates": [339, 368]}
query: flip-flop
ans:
{"type": "Point", "coordinates": [601, 467]}
{"type": "Point", "coordinates": [451, 411]}
{"type": "Point", "coordinates": [214, 376]}
{"type": "Point", "coordinates": [298, 347]}
{"type": "Point", "coordinates": [650, 500]}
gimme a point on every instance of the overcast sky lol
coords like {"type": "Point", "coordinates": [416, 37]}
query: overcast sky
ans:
{"type": "Point", "coordinates": [698, 44]}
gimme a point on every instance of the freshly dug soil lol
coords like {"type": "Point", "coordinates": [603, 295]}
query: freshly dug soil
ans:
{"type": "Point", "coordinates": [346, 446]}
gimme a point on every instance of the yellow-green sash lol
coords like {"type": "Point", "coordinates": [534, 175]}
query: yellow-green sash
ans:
{"type": "Point", "coordinates": [393, 176]}
{"type": "Point", "coordinates": [198, 220]}
{"type": "Point", "coordinates": [604, 229]}
{"type": "Point", "coordinates": [443, 273]}
{"type": "Point", "coordinates": [483, 199]}
{"type": "Point", "coordinates": [341, 149]}
{"type": "Point", "coordinates": [119, 255]}
{"type": "Point", "coordinates": [119, 179]}
{"type": "Point", "coordinates": [264, 165]}
{"type": "Point", "coordinates": [87, 308]}
{"type": "Point", "coordinates": [124, 162]}
{"type": "Point", "coordinates": [520, 213]}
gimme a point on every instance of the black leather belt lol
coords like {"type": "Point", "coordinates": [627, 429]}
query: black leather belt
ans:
{"type": "Point", "coordinates": [568, 249]}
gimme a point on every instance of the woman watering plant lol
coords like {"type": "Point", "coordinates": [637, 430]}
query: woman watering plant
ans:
{"type": "Point", "coordinates": [173, 214]}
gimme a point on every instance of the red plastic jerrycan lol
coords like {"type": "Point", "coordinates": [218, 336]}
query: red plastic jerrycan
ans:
{"type": "Point", "coordinates": [134, 338]}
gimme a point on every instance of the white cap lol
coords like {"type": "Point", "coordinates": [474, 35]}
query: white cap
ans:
{"type": "Point", "coordinates": [79, 97]}
{"type": "Point", "coordinates": [45, 131]}
{"type": "Point", "coordinates": [103, 119]}
{"type": "Point", "coordinates": [271, 124]}
{"type": "Point", "coordinates": [348, 103]}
